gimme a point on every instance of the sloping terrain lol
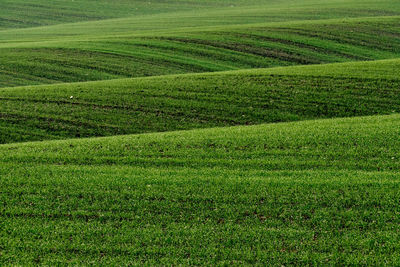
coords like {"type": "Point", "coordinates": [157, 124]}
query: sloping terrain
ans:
{"type": "Point", "coordinates": [35, 13]}
{"type": "Point", "coordinates": [322, 192]}
{"type": "Point", "coordinates": [267, 134]}
{"type": "Point", "coordinates": [169, 103]}
{"type": "Point", "coordinates": [228, 48]}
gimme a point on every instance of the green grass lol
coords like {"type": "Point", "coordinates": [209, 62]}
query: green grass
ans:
{"type": "Point", "coordinates": [34, 13]}
{"type": "Point", "coordinates": [169, 103]}
{"type": "Point", "coordinates": [101, 164]}
{"type": "Point", "coordinates": [172, 37]}
{"type": "Point", "coordinates": [227, 48]}
{"type": "Point", "coordinates": [317, 192]}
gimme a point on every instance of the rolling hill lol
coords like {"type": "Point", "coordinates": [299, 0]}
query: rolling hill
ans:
{"type": "Point", "coordinates": [179, 102]}
{"type": "Point", "coordinates": [185, 132]}
{"type": "Point", "coordinates": [204, 40]}
{"type": "Point", "coordinates": [37, 13]}
{"type": "Point", "coordinates": [205, 50]}
{"type": "Point", "coordinates": [315, 192]}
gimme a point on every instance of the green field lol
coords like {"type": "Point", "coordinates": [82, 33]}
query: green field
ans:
{"type": "Point", "coordinates": [322, 191]}
{"type": "Point", "coordinates": [181, 102]}
{"type": "Point", "coordinates": [183, 132]}
{"type": "Point", "coordinates": [203, 50]}
{"type": "Point", "coordinates": [188, 42]}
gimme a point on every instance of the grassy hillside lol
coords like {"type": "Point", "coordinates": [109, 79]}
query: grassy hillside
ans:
{"type": "Point", "coordinates": [159, 135]}
{"type": "Point", "coordinates": [172, 37]}
{"type": "Point", "coordinates": [169, 103]}
{"type": "Point", "coordinates": [34, 13]}
{"type": "Point", "coordinates": [316, 192]}
{"type": "Point", "coordinates": [208, 49]}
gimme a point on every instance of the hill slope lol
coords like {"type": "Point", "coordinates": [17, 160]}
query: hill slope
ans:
{"type": "Point", "coordinates": [203, 50]}
{"type": "Point", "coordinates": [149, 185]}
{"type": "Point", "coordinates": [169, 103]}
{"type": "Point", "coordinates": [316, 192]}
{"type": "Point", "coordinates": [34, 13]}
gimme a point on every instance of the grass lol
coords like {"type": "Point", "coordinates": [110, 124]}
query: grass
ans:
{"type": "Point", "coordinates": [146, 132]}
{"type": "Point", "coordinates": [315, 192]}
{"type": "Point", "coordinates": [35, 13]}
{"type": "Point", "coordinates": [169, 103]}
{"type": "Point", "coordinates": [228, 48]}
{"type": "Point", "coordinates": [172, 37]}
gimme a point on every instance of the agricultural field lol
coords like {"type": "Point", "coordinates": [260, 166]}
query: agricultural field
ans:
{"type": "Point", "coordinates": [206, 49]}
{"type": "Point", "coordinates": [182, 102]}
{"type": "Point", "coordinates": [183, 132]}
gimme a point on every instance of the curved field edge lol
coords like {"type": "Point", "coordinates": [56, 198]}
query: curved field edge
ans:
{"type": "Point", "coordinates": [203, 20]}
{"type": "Point", "coordinates": [16, 14]}
{"type": "Point", "coordinates": [378, 69]}
{"type": "Point", "coordinates": [328, 144]}
{"type": "Point", "coordinates": [35, 13]}
{"type": "Point", "coordinates": [248, 194]}
{"type": "Point", "coordinates": [181, 102]}
{"type": "Point", "coordinates": [202, 51]}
